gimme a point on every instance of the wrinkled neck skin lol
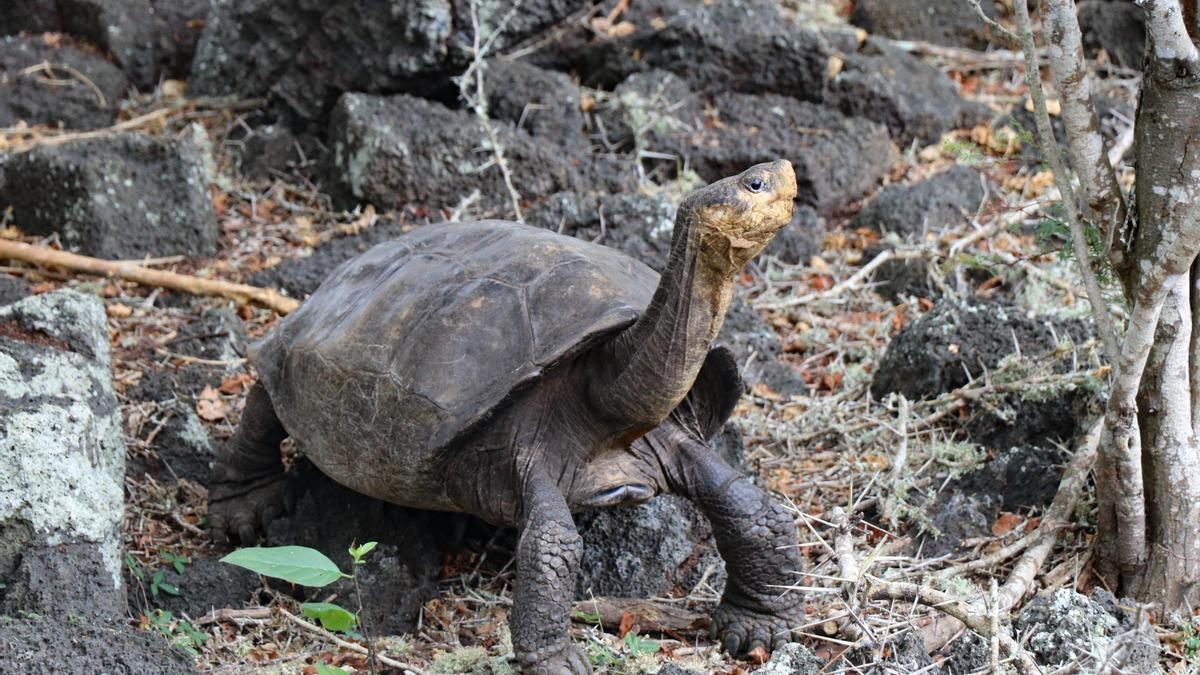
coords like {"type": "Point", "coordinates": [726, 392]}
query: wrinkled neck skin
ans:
{"type": "Point", "coordinates": [645, 371]}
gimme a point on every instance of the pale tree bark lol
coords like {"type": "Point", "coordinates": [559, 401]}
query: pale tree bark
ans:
{"type": "Point", "coordinates": [1148, 468]}
{"type": "Point", "coordinates": [1105, 202]}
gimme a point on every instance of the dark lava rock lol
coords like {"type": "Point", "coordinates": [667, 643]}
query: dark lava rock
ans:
{"type": "Point", "coordinates": [968, 654]}
{"type": "Point", "coordinates": [304, 55]}
{"type": "Point", "coordinates": [216, 335]}
{"type": "Point", "coordinates": [183, 447]}
{"type": "Point", "coordinates": [901, 653]}
{"type": "Point", "coordinates": [121, 196]}
{"type": "Point", "coordinates": [1066, 627]}
{"type": "Point", "coordinates": [402, 572]}
{"type": "Point", "coordinates": [30, 16]}
{"type": "Point", "coordinates": [943, 200]}
{"type": "Point", "coordinates": [793, 658]}
{"type": "Point", "coordinates": [934, 354]}
{"type": "Point", "coordinates": [268, 149]}
{"type": "Point", "coordinates": [49, 645]}
{"type": "Point", "coordinates": [894, 88]}
{"type": "Point", "coordinates": [650, 111]}
{"type": "Point", "coordinates": [12, 289]}
{"type": "Point", "coordinates": [541, 102]}
{"type": "Point", "coordinates": [397, 150]}
{"type": "Point", "coordinates": [758, 347]}
{"type": "Point", "coordinates": [148, 39]}
{"type": "Point", "coordinates": [896, 279]}
{"type": "Point", "coordinates": [1017, 480]}
{"type": "Point", "coordinates": [1118, 28]}
{"type": "Point", "coordinates": [942, 22]}
{"type": "Point", "coordinates": [301, 276]}
{"type": "Point", "coordinates": [801, 240]}
{"type": "Point", "coordinates": [638, 225]}
{"type": "Point", "coordinates": [737, 45]}
{"type": "Point", "coordinates": [661, 548]}
{"type": "Point", "coordinates": [55, 96]}
{"type": "Point", "coordinates": [837, 158]}
{"type": "Point", "coordinates": [205, 584]}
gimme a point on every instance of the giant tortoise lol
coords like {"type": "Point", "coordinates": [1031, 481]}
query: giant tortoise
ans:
{"type": "Point", "coordinates": [516, 374]}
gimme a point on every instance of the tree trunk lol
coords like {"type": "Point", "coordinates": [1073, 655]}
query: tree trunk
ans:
{"type": "Point", "coordinates": [1166, 567]}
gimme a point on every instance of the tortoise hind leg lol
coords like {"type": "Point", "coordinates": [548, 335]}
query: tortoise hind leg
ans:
{"type": "Point", "coordinates": [246, 489]}
{"type": "Point", "coordinates": [756, 537]}
{"type": "Point", "coordinates": [548, 553]}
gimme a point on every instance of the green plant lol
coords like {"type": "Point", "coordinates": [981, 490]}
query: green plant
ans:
{"type": "Point", "coordinates": [179, 562]}
{"type": "Point", "coordinates": [179, 632]}
{"type": "Point", "coordinates": [309, 567]}
{"type": "Point", "coordinates": [158, 584]}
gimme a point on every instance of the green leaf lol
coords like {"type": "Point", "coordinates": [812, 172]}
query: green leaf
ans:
{"type": "Point", "coordinates": [297, 564]}
{"type": "Point", "coordinates": [639, 645]}
{"type": "Point", "coordinates": [134, 567]}
{"type": "Point", "coordinates": [169, 588]}
{"type": "Point", "coordinates": [323, 669]}
{"type": "Point", "coordinates": [331, 616]}
{"type": "Point", "coordinates": [585, 617]}
{"type": "Point", "coordinates": [357, 552]}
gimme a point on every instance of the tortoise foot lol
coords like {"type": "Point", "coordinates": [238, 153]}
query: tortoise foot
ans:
{"type": "Point", "coordinates": [741, 629]}
{"type": "Point", "coordinates": [239, 511]}
{"type": "Point", "coordinates": [559, 659]}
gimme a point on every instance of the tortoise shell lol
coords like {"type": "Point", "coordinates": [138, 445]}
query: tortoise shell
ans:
{"type": "Point", "coordinates": [418, 339]}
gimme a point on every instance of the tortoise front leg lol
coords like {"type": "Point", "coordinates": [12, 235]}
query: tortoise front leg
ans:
{"type": "Point", "coordinates": [548, 553]}
{"type": "Point", "coordinates": [756, 537]}
{"type": "Point", "coordinates": [246, 487]}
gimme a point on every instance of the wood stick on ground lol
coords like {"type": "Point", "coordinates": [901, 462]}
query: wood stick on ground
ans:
{"type": "Point", "coordinates": [345, 644]}
{"type": "Point", "coordinates": [651, 616]}
{"type": "Point", "coordinates": [240, 293]}
{"type": "Point", "coordinates": [1069, 488]}
{"type": "Point", "coordinates": [231, 614]}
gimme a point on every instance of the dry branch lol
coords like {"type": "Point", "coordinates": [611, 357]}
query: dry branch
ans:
{"type": "Point", "coordinates": [1049, 146]}
{"type": "Point", "coordinates": [962, 610]}
{"type": "Point", "coordinates": [650, 616]}
{"type": "Point", "coordinates": [240, 293]}
{"type": "Point", "coordinates": [345, 644]}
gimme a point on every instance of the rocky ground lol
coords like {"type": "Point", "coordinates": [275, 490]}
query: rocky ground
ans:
{"type": "Point", "coordinates": [915, 346]}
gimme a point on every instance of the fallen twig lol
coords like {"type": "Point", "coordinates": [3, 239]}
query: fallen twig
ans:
{"type": "Point", "coordinates": [345, 644]}
{"type": "Point", "coordinates": [651, 616]}
{"type": "Point", "coordinates": [240, 293]}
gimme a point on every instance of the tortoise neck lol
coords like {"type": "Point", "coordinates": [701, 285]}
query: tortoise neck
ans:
{"type": "Point", "coordinates": [649, 367]}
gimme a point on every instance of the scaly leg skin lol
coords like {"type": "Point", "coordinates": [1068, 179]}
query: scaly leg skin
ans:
{"type": "Point", "coordinates": [756, 537]}
{"type": "Point", "coordinates": [246, 489]}
{"type": "Point", "coordinates": [548, 553]}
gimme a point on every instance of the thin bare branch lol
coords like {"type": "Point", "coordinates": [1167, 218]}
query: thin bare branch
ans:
{"type": "Point", "coordinates": [1049, 146]}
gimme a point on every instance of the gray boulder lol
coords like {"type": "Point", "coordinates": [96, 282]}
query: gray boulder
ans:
{"type": "Point", "coordinates": [55, 96]}
{"type": "Point", "coordinates": [304, 55]}
{"type": "Point", "coordinates": [793, 658]}
{"type": "Point", "coordinates": [121, 196]}
{"type": "Point", "coordinates": [397, 150]}
{"type": "Point", "coordinates": [1118, 28]}
{"type": "Point", "coordinates": [148, 39]}
{"type": "Point", "coordinates": [942, 200]}
{"type": "Point", "coordinates": [740, 45]}
{"type": "Point", "coordinates": [62, 459]}
{"type": "Point", "coordinates": [543, 103]}
{"type": "Point", "coordinates": [1066, 627]}
{"type": "Point", "coordinates": [661, 548]}
{"type": "Point", "coordinates": [942, 22]}
{"type": "Point", "coordinates": [913, 99]}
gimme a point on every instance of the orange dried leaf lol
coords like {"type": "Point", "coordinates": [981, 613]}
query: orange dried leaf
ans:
{"type": "Point", "coordinates": [1006, 523]}
{"type": "Point", "coordinates": [211, 406]}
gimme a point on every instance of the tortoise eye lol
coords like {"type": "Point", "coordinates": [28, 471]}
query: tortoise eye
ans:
{"type": "Point", "coordinates": [755, 184]}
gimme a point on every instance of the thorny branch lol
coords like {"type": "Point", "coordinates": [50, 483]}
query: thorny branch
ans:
{"type": "Point", "coordinates": [472, 92]}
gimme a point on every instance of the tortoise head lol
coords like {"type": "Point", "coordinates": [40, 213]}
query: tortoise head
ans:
{"type": "Point", "coordinates": [736, 217]}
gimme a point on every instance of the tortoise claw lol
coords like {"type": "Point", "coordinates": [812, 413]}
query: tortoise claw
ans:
{"type": "Point", "coordinates": [741, 629]}
{"type": "Point", "coordinates": [238, 512]}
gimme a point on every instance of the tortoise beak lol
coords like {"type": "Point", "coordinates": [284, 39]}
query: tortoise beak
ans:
{"type": "Point", "coordinates": [786, 179]}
